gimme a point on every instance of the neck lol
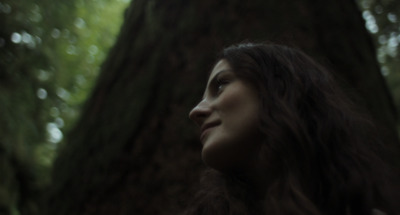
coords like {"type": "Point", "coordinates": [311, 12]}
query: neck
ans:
{"type": "Point", "coordinates": [254, 179]}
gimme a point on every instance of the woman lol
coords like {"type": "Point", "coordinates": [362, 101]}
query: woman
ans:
{"type": "Point", "coordinates": [281, 138]}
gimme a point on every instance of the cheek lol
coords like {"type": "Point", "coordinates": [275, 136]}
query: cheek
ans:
{"type": "Point", "coordinates": [237, 141]}
{"type": "Point", "coordinates": [233, 102]}
{"type": "Point", "coordinates": [240, 113]}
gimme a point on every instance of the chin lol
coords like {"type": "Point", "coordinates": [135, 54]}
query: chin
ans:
{"type": "Point", "coordinates": [211, 157]}
{"type": "Point", "coordinates": [233, 154]}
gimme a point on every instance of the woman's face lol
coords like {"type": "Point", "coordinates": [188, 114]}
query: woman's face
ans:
{"type": "Point", "coordinates": [228, 117]}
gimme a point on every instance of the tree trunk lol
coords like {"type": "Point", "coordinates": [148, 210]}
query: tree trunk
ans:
{"type": "Point", "coordinates": [134, 150]}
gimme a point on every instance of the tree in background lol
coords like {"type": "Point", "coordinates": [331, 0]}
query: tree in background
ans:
{"type": "Point", "coordinates": [133, 150]}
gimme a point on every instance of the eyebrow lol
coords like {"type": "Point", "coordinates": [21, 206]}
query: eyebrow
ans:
{"type": "Point", "coordinates": [219, 74]}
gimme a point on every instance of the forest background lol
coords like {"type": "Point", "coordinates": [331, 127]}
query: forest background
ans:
{"type": "Point", "coordinates": [50, 59]}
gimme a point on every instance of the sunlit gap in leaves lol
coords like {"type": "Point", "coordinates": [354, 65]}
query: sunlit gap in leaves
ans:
{"type": "Point", "coordinates": [388, 40]}
{"type": "Point", "coordinates": [382, 20]}
{"type": "Point", "coordinates": [25, 38]}
{"type": "Point", "coordinates": [77, 52]}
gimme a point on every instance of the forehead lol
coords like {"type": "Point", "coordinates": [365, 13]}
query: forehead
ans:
{"type": "Point", "coordinates": [220, 66]}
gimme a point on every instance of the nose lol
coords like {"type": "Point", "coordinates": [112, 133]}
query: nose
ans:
{"type": "Point", "coordinates": [200, 113]}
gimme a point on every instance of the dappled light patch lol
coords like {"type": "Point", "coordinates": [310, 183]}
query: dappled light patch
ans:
{"type": "Point", "coordinates": [382, 21]}
{"type": "Point", "coordinates": [50, 57]}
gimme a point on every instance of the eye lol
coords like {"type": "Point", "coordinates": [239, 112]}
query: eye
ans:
{"type": "Point", "coordinates": [221, 84]}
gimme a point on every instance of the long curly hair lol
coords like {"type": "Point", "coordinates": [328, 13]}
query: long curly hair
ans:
{"type": "Point", "coordinates": [323, 152]}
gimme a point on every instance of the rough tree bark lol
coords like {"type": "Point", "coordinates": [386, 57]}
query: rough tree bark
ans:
{"type": "Point", "coordinates": [134, 151]}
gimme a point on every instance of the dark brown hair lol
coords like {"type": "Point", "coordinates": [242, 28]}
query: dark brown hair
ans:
{"type": "Point", "coordinates": [323, 151]}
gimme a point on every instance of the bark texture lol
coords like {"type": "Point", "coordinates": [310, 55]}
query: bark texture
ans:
{"type": "Point", "coordinates": [134, 150]}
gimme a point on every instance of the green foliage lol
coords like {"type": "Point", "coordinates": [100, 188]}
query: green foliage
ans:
{"type": "Point", "coordinates": [383, 22]}
{"type": "Point", "coordinates": [50, 53]}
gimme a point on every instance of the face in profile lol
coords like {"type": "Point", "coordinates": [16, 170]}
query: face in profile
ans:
{"type": "Point", "coordinates": [228, 116]}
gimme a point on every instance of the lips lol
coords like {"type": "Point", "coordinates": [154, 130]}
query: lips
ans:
{"type": "Point", "coordinates": [206, 127]}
